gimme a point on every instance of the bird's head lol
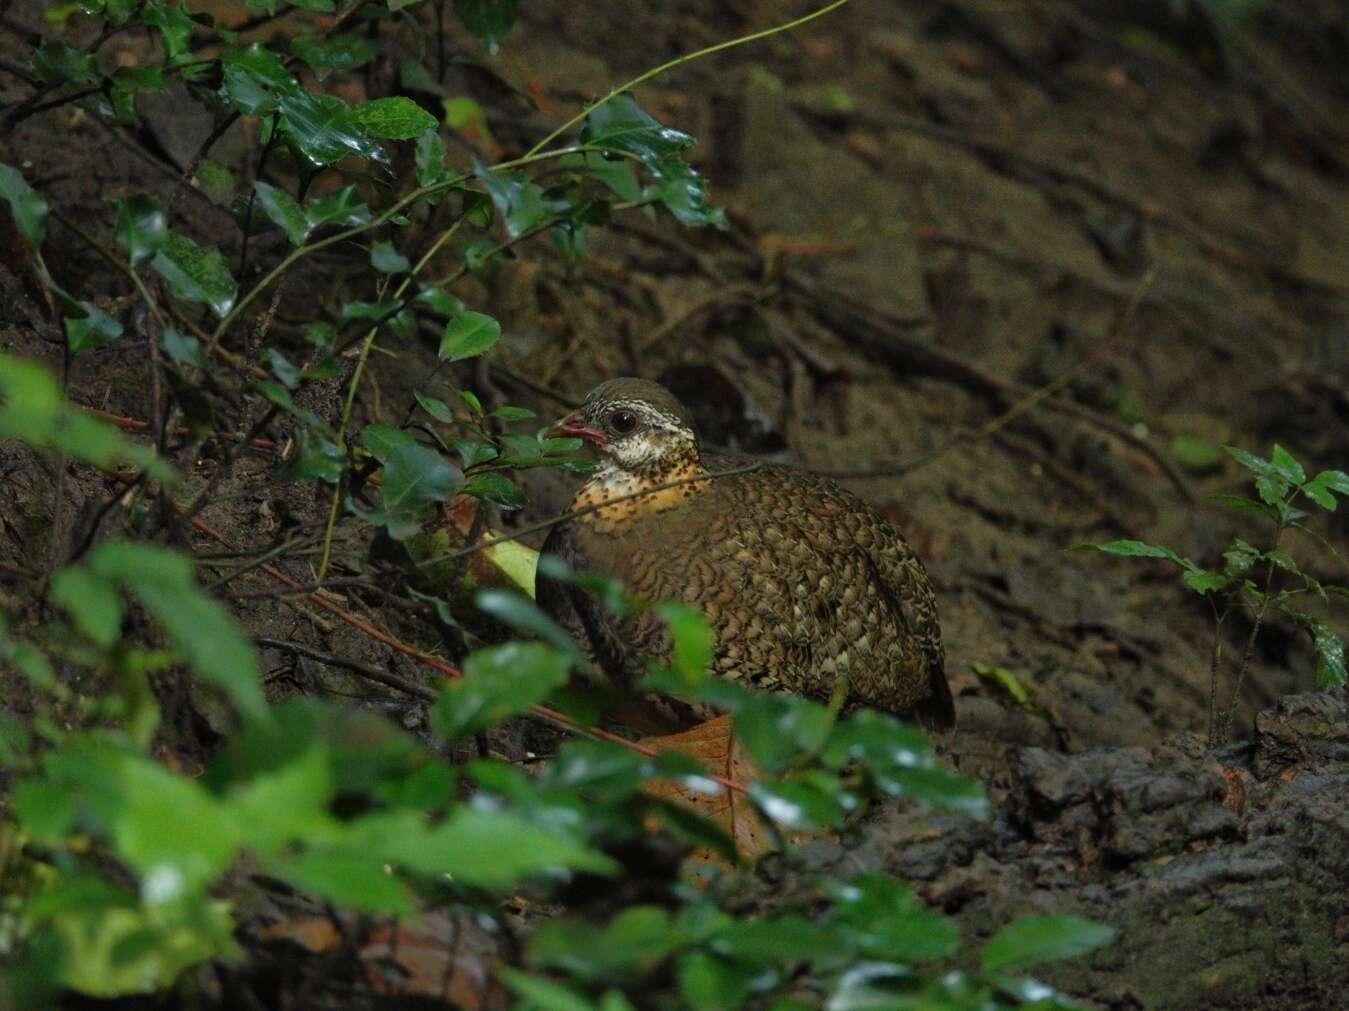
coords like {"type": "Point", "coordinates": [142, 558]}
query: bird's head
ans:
{"type": "Point", "coordinates": [637, 426]}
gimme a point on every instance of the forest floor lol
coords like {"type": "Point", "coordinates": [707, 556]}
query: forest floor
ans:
{"type": "Point", "coordinates": [937, 209]}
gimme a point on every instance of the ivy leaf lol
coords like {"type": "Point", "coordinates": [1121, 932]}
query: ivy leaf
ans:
{"type": "Point", "coordinates": [490, 20]}
{"type": "Point", "coordinates": [141, 227]}
{"type": "Point", "coordinates": [620, 124]}
{"type": "Point", "coordinates": [498, 682]}
{"type": "Point", "coordinates": [94, 330]}
{"type": "Point", "coordinates": [196, 273]}
{"type": "Point", "coordinates": [1032, 940]}
{"type": "Point", "coordinates": [495, 487]}
{"type": "Point", "coordinates": [520, 201]}
{"type": "Point", "coordinates": [58, 63]}
{"type": "Point", "coordinates": [468, 335]}
{"type": "Point", "coordinates": [282, 210]}
{"type": "Point", "coordinates": [175, 29]}
{"type": "Point", "coordinates": [396, 118]}
{"type": "Point", "coordinates": [334, 54]}
{"type": "Point", "coordinates": [26, 204]}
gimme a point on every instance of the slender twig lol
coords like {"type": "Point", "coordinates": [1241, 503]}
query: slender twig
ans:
{"type": "Point", "coordinates": [680, 61]}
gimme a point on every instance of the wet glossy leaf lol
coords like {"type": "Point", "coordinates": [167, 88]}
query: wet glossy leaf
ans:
{"type": "Point", "coordinates": [468, 335]}
{"type": "Point", "coordinates": [1331, 673]}
{"type": "Point", "coordinates": [621, 125]}
{"type": "Point", "coordinates": [684, 194]}
{"type": "Point", "coordinates": [430, 155]}
{"type": "Point", "coordinates": [323, 128]}
{"type": "Point", "coordinates": [394, 118]}
{"type": "Point", "coordinates": [254, 79]}
{"type": "Point", "coordinates": [498, 682]}
{"type": "Point", "coordinates": [27, 206]}
{"type": "Point", "coordinates": [282, 210]}
{"type": "Point", "coordinates": [519, 200]}
{"type": "Point", "coordinates": [490, 20]}
{"type": "Point", "coordinates": [195, 273]}
{"type": "Point", "coordinates": [141, 227]}
{"type": "Point", "coordinates": [1033, 940]}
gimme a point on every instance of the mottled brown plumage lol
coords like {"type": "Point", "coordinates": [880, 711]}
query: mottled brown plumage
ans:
{"type": "Point", "coordinates": [804, 583]}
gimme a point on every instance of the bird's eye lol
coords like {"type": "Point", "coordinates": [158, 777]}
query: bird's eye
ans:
{"type": "Point", "coordinates": [623, 422]}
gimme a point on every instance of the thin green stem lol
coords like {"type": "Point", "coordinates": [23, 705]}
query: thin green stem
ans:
{"type": "Point", "coordinates": [335, 506]}
{"type": "Point", "coordinates": [679, 61]}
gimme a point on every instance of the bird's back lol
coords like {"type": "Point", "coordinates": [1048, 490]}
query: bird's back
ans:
{"type": "Point", "coordinates": [802, 582]}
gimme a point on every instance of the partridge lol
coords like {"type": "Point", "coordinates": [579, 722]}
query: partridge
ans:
{"type": "Point", "coordinates": [806, 587]}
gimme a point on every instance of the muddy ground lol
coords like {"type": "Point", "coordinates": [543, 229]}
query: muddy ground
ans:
{"type": "Point", "coordinates": [937, 209]}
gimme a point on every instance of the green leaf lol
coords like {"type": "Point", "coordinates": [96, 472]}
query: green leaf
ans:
{"type": "Point", "coordinates": [880, 918]}
{"type": "Point", "coordinates": [709, 983]}
{"type": "Point", "coordinates": [490, 20]}
{"type": "Point", "coordinates": [493, 849]}
{"type": "Point", "coordinates": [509, 412]}
{"type": "Point", "coordinates": [94, 330]}
{"type": "Point", "coordinates": [91, 601]}
{"type": "Point", "coordinates": [254, 79]}
{"type": "Point", "coordinates": [216, 181]}
{"type": "Point", "coordinates": [1331, 674]}
{"type": "Point", "coordinates": [439, 300]}
{"type": "Point", "coordinates": [387, 260]}
{"type": "Point", "coordinates": [395, 118]}
{"type": "Point", "coordinates": [498, 682]}
{"type": "Point", "coordinates": [1204, 581]}
{"type": "Point", "coordinates": [33, 410]}
{"type": "Point", "coordinates": [430, 155]}
{"type": "Point", "coordinates": [1320, 489]}
{"type": "Point", "coordinates": [621, 125]}
{"type": "Point", "coordinates": [383, 439]}
{"type": "Point", "coordinates": [196, 273]}
{"type": "Point", "coordinates": [1139, 549]}
{"type": "Point", "coordinates": [1248, 505]}
{"type": "Point", "coordinates": [181, 349]}
{"type": "Point", "coordinates": [1033, 940]}
{"type": "Point", "coordinates": [343, 207]}
{"type": "Point", "coordinates": [175, 29]}
{"type": "Point", "coordinates": [141, 227]}
{"type": "Point", "coordinates": [495, 487]}
{"type": "Point", "coordinates": [468, 335]}
{"type": "Point", "coordinates": [414, 477]}
{"type": "Point", "coordinates": [1251, 462]}
{"type": "Point", "coordinates": [519, 199]}
{"type": "Point", "coordinates": [324, 129]}
{"type": "Point", "coordinates": [282, 210]}
{"type": "Point", "coordinates": [613, 171]}
{"type": "Point", "coordinates": [334, 54]}
{"type": "Point", "coordinates": [1195, 453]}
{"type": "Point", "coordinates": [684, 194]}
{"type": "Point", "coordinates": [198, 626]}
{"type": "Point", "coordinates": [524, 616]}
{"type": "Point", "coordinates": [27, 205]}
{"type": "Point", "coordinates": [316, 457]}
{"type": "Point", "coordinates": [57, 63]}
{"type": "Point", "coordinates": [1289, 469]}
{"type": "Point", "coordinates": [542, 994]}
